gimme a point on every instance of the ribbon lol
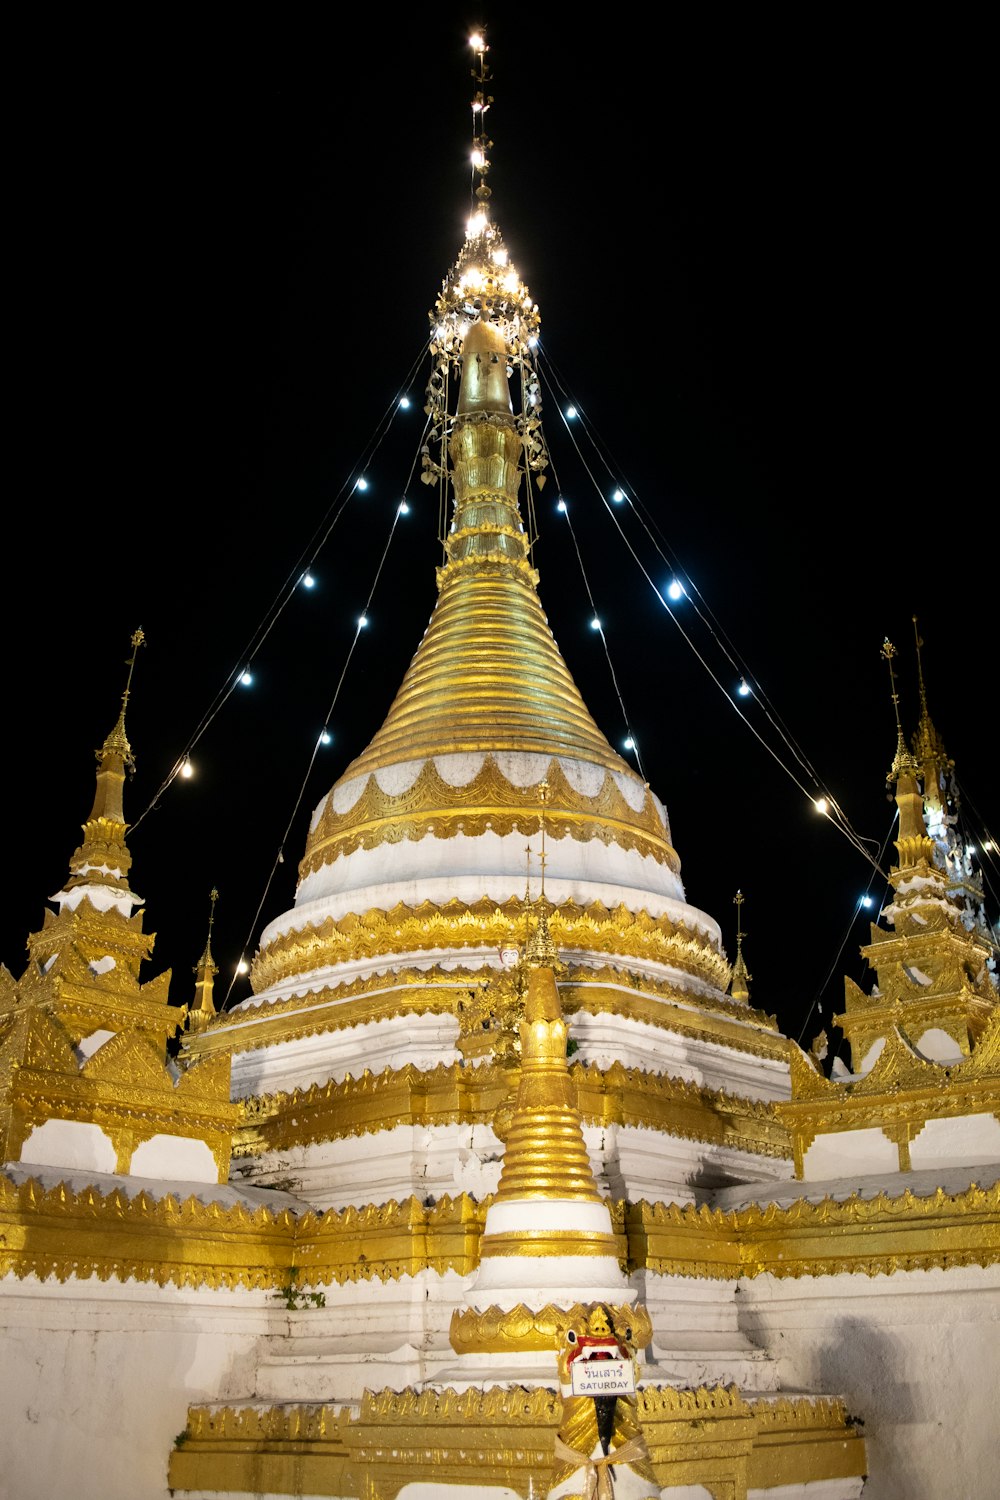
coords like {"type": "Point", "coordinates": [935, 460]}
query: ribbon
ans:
{"type": "Point", "coordinates": [598, 1484]}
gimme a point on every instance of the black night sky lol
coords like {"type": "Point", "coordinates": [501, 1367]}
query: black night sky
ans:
{"type": "Point", "coordinates": [763, 259]}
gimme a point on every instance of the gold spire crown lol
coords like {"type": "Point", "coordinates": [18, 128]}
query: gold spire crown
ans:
{"type": "Point", "coordinates": [739, 985]}
{"type": "Point", "coordinates": [545, 1155]}
{"type": "Point", "coordinates": [928, 746]}
{"type": "Point", "coordinates": [103, 858]}
{"type": "Point", "coordinates": [903, 762]}
{"type": "Point", "coordinates": [205, 971]}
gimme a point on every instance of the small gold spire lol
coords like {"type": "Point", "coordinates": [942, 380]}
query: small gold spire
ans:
{"type": "Point", "coordinates": [103, 858]}
{"type": "Point", "coordinates": [481, 101]}
{"type": "Point", "coordinates": [545, 1154]}
{"type": "Point", "coordinates": [205, 971]}
{"type": "Point", "coordinates": [903, 761]}
{"type": "Point", "coordinates": [928, 746]}
{"type": "Point", "coordinates": [739, 985]}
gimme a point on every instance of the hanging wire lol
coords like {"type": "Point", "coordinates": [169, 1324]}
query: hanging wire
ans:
{"type": "Point", "coordinates": [698, 602]}
{"type": "Point", "coordinates": [286, 591]}
{"type": "Point", "coordinates": [840, 821]}
{"type": "Point", "coordinates": [596, 621]}
{"type": "Point", "coordinates": [279, 858]}
{"type": "Point", "coordinates": [817, 1000]}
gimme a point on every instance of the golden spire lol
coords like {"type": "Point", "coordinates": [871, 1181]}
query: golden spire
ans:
{"type": "Point", "coordinates": [205, 971]}
{"type": "Point", "coordinates": [913, 843]}
{"type": "Point", "coordinates": [481, 101]}
{"type": "Point", "coordinates": [488, 675]}
{"type": "Point", "coordinates": [928, 746]}
{"type": "Point", "coordinates": [545, 1154]}
{"type": "Point", "coordinates": [739, 985]}
{"type": "Point", "coordinates": [102, 858]}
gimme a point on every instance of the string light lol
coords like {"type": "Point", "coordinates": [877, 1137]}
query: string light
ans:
{"type": "Point", "coordinates": [595, 623]}
{"type": "Point", "coordinates": [744, 688]}
{"type": "Point", "coordinates": [630, 743]}
{"type": "Point", "coordinates": [362, 621]}
{"type": "Point", "coordinates": [243, 967]}
{"type": "Point", "coordinates": [618, 496]}
{"type": "Point", "coordinates": [362, 483]}
{"type": "Point", "coordinates": [404, 402]}
{"type": "Point", "coordinates": [675, 589]}
{"type": "Point", "coordinates": [308, 581]}
{"type": "Point", "coordinates": [404, 509]}
{"type": "Point", "coordinates": [570, 413]}
{"type": "Point", "coordinates": [561, 506]}
{"type": "Point", "coordinates": [247, 679]}
{"type": "Point", "coordinates": [187, 769]}
{"type": "Point", "coordinates": [325, 737]}
{"type": "Point", "coordinates": [821, 805]}
{"type": "Point", "coordinates": [865, 901]}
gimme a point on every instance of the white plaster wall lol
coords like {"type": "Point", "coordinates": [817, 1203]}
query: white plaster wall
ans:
{"type": "Point", "coordinates": [173, 1157]}
{"type": "Point", "coordinates": [69, 1143]}
{"type": "Point", "coordinates": [972, 1139]}
{"type": "Point", "coordinates": [437, 1160]}
{"type": "Point", "coordinates": [96, 1379]}
{"type": "Point", "coordinates": [914, 1354]}
{"type": "Point", "coordinates": [845, 1151]}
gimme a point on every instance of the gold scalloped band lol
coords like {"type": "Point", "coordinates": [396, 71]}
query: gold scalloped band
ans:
{"type": "Point", "coordinates": [522, 1330]}
{"type": "Point", "coordinates": [451, 1093]}
{"type": "Point", "coordinates": [457, 924]}
{"type": "Point", "coordinates": [75, 1235]}
{"type": "Point", "coordinates": [489, 803]}
{"type": "Point", "coordinates": [710, 1436]}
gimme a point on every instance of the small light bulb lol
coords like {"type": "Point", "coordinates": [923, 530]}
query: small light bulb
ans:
{"type": "Point", "coordinates": [242, 967]}
{"type": "Point", "coordinates": [630, 743]}
{"type": "Point", "coordinates": [478, 158]}
{"type": "Point", "coordinates": [744, 688]}
{"type": "Point", "coordinates": [362, 483]}
{"type": "Point", "coordinates": [618, 496]}
{"type": "Point", "coordinates": [821, 805]}
{"type": "Point", "coordinates": [866, 901]}
{"type": "Point", "coordinates": [570, 413]}
{"type": "Point", "coordinates": [247, 679]}
{"type": "Point", "coordinates": [533, 341]}
{"type": "Point", "coordinates": [561, 506]}
{"type": "Point", "coordinates": [325, 737]}
{"type": "Point", "coordinates": [675, 589]}
{"type": "Point", "coordinates": [595, 623]}
{"type": "Point", "coordinates": [476, 42]}
{"type": "Point", "coordinates": [187, 769]}
{"type": "Point", "coordinates": [308, 581]}
{"type": "Point", "coordinates": [362, 621]}
{"type": "Point", "coordinates": [404, 509]}
{"type": "Point", "coordinates": [498, 257]}
{"type": "Point", "coordinates": [989, 846]}
{"type": "Point", "coordinates": [404, 402]}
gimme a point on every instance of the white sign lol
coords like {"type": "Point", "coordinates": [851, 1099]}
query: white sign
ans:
{"type": "Point", "coordinates": [603, 1377]}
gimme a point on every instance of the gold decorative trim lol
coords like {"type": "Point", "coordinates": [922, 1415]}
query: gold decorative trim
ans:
{"type": "Point", "coordinates": [457, 924]}
{"type": "Point", "coordinates": [870, 1236]}
{"type": "Point", "coordinates": [520, 1329]}
{"type": "Point", "coordinates": [507, 1435]}
{"type": "Point", "coordinates": [451, 1093]}
{"type": "Point", "coordinates": [489, 803]}
{"type": "Point", "coordinates": [438, 991]}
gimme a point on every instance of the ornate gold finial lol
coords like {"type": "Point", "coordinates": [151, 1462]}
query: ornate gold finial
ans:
{"type": "Point", "coordinates": [117, 740]}
{"type": "Point", "coordinates": [481, 101]}
{"type": "Point", "coordinates": [739, 985]}
{"type": "Point", "coordinates": [540, 950]}
{"type": "Point", "coordinates": [903, 761]}
{"type": "Point", "coordinates": [203, 1010]}
{"type": "Point", "coordinates": [928, 746]}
